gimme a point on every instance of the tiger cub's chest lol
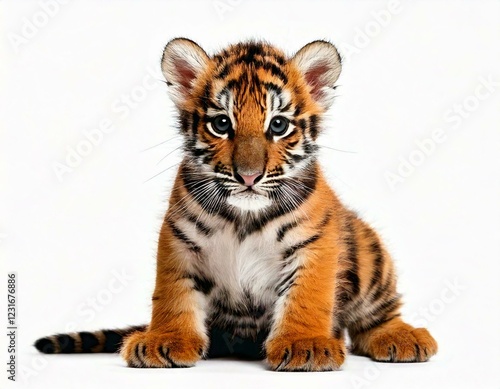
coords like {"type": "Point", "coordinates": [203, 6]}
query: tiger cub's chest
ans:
{"type": "Point", "coordinates": [243, 267]}
{"type": "Point", "coordinates": [246, 274]}
{"type": "Point", "coordinates": [243, 275]}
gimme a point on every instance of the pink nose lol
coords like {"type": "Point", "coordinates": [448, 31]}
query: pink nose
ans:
{"type": "Point", "coordinates": [250, 179]}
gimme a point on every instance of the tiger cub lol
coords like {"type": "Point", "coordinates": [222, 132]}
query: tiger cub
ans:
{"type": "Point", "coordinates": [255, 243]}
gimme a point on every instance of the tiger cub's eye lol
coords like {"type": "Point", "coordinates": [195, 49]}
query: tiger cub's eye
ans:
{"type": "Point", "coordinates": [278, 125]}
{"type": "Point", "coordinates": [221, 124]}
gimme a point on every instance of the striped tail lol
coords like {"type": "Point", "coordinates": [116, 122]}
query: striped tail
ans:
{"type": "Point", "coordinates": [103, 341]}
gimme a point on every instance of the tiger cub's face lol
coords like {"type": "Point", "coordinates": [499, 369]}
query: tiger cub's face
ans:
{"type": "Point", "coordinates": [250, 116]}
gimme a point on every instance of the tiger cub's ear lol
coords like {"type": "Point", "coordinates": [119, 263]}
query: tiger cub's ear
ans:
{"type": "Point", "coordinates": [320, 63]}
{"type": "Point", "coordinates": [182, 62]}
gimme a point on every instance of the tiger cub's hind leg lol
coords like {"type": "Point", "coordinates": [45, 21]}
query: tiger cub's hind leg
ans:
{"type": "Point", "coordinates": [376, 328]}
{"type": "Point", "coordinates": [395, 341]}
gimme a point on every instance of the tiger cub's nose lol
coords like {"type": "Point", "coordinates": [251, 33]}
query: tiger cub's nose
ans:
{"type": "Point", "coordinates": [249, 179]}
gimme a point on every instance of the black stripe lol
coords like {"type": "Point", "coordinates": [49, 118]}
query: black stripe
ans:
{"type": "Point", "coordinates": [138, 355]}
{"type": "Point", "coordinates": [309, 147]}
{"type": "Point", "coordinates": [352, 277]}
{"type": "Point", "coordinates": [220, 57]}
{"type": "Point", "coordinates": [417, 352]}
{"type": "Point", "coordinates": [206, 100]}
{"type": "Point", "coordinates": [220, 168]}
{"type": "Point", "coordinates": [66, 343]}
{"type": "Point", "coordinates": [302, 124]}
{"type": "Point", "coordinates": [285, 284]}
{"type": "Point", "coordinates": [189, 144]}
{"type": "Point", "coordinates": [292, 144]}
{"type": "Point", "coordinates": [275, 181]}
{"type": "Point", "coordinates": [243, 58]}
{"type": "Point", "coordinates": [383, 288]}
{"type": "Point", "coordinates": [230, 133]}
{"type": "Point", "coordinates": [195, 122]}
{"type": "Point", "coordinates": [286, 280]}
{"type": "Point", "coordinates": [275, 71]}
{"type": "Point", "coordinates": [287, 107]}
{"type": "Point", "coordinates": [376, 250]}
{"type": "Point", "coordinates": [375, 323]}
{"type": "Point", "coordinates": [207, 159]}
{"type": "Point", "coordinates": [231, 84]}
{"type": "Point", "coordinates": [252, 50]}
{"type": "Point", "coordinates": [337, 333]}
{"type": "Point", "coordinates": [224, 72]}
{"type": "Point", "coordinates": [197, 152]}
{"type": "Point", "coordinates": [166, 356]}
{"type": "Point", "coordinates": [277, 171]}
{"type": "Point", "coordinates": [284, 229]}
{"type": "Point", "coordinates": [291, 250]}
{"type": "Point", "coordinates": [112, 341]}
{"type": "Point", "coordinates": [298, 110]}
{"type": "Point", "coordinates": [88, 341]}
{"type": "Point", "coordinates": [274, 87]}
{"type": "Point", "coordinates": [201, 284]}
{"type": "Point", "coordinates": [295, 158]}
{"type": "Point", "coordinates": [45, 345]}
{"type": "Point", "coordinates": [281, 60]}
{"type": "Point", "coordinates": [184, 120]}
{"type": "Point", "coordinates": [269, 135]}
{"type": "Point", "coordinates": [326, 219]}
{"type": "Point", "coordinates": [179, 234]}
{"type": "Point", "coordinates": [352, 257]}
{"type": "Point", "coordinates": [383, 310]}
{"type": "Point", "coordinates": [200, 226]}
{"type": "Point", "coordinates": [313, 126]}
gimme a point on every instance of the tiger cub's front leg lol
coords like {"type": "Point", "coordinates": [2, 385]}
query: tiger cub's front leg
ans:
{"type": "Point", "coordinates": [302, 337]}
{"type": "Point", "coordinates": [177, 335]}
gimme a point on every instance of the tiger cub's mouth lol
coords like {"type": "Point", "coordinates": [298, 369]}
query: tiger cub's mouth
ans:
{"type": "Point", "coordinates": [249, 199]}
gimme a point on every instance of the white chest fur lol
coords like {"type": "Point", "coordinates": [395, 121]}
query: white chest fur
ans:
{"type": "Point", "coordinates": [252, 265]}
{"type": "Point", "coordinates": [240, 267]}
{"type": "Point", "coordinates": [246, 276]}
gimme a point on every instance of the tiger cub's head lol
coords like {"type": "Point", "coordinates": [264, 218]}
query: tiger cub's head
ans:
{"type": "Point", "coordinates": [250, 116]}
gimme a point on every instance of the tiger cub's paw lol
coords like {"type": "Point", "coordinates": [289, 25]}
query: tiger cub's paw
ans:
{"type": "Point", "coordinates": [402, 345]}
{"type": "Point", "coordinates": [310, 354]}
{"type": "Point", "coordinates": [150, 349]}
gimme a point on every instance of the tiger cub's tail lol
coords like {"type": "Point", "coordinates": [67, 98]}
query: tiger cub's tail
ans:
{"type": "Point", "coordinates": [103, 341]}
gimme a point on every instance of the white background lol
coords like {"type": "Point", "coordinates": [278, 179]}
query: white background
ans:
{"type": "Point", "coordinates": [408, 69]}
